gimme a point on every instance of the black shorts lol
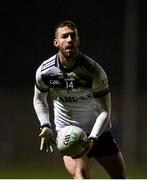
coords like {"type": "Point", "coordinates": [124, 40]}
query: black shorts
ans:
{"type": "Point", "coordinates": [104, 146]}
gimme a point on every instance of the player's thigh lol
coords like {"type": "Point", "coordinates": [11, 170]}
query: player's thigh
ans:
{"type": "Point", "coordinates": [114, 165]}
{"type": "Point", "coordinates": [78, 167]}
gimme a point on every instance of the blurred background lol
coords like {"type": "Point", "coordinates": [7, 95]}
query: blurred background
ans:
{"type": "Point", "coordinates": [114, 33]}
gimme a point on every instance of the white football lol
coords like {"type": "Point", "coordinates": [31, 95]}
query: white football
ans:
{"type": "Point", "coordinates": [71, 141]}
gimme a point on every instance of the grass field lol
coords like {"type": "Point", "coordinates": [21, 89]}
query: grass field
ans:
{"type": "Point", "coordinates": [45, 166]}
{"type": "Point", "coordinates": [59, 173]}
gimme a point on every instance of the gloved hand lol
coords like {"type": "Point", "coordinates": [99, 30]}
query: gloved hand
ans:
{"type": "Point", "coordinates": [47, 139]}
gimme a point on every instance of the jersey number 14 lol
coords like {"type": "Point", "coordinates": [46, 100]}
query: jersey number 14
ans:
{"type": "Point", "coordinates": [69, 84]}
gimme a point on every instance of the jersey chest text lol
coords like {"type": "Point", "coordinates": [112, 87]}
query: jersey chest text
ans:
{"type": "Point", "coordinates": [67, 82]}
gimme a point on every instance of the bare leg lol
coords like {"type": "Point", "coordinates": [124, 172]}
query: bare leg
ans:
{"type": "Point", "coordinates": [114, 165]}
{"type": "Point", "coordinates": [78, 168]}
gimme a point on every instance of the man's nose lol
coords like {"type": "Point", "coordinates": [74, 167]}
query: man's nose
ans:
{"type": "Point", "coordinates": [69, 38]}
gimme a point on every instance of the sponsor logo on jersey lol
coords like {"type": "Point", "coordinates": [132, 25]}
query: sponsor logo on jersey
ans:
{"type": "Point", "coordinates": [73, 99]}
{"type": "Point", "coordinates": [54, 82]}
{"type": "Point", "coordinates": [104, 83]}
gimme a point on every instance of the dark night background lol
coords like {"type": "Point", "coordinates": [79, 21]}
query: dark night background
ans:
{"type": "Point", "coordinates": [111, 32]}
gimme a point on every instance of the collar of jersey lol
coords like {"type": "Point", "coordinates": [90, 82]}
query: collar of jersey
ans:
{"type": "Point", "coordinates": [67, 69]}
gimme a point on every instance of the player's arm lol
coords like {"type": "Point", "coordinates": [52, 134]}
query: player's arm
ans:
{"type": "Point", "coordinates": [102, 98]}
{"type": "Point", "coordinates": [102, 121]}
{"type": "Point", "coordinates": [40, 100]}
{"type": "Point", "coordinates": [42, 111]}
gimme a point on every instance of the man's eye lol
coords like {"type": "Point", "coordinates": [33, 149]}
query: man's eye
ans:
{"type": "Point", "coordinates": [73, 36]}
{"type": "Point", "coordinates": [65, 36]}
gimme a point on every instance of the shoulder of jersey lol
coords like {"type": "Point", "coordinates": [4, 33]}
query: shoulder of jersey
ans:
{"type": "Point", "coordinates": [48, 63]}
{"type": "Point", "coordinates": [94, 67]}
{"type": "Point", "coordinates": [91, 64]}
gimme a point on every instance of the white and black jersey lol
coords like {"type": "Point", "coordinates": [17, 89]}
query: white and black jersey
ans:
{"type": "Point", "coordinates": [75, 91]}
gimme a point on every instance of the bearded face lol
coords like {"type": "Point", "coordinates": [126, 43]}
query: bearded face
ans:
{"type": "Point", "coordinates": [67, 42]}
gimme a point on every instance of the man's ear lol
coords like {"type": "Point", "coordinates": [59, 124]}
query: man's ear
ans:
{"type": "Point", "coordinates": [55, 43]}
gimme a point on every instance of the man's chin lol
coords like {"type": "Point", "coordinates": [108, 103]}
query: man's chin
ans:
{"type": "Point", "coordinates": [69, 55]}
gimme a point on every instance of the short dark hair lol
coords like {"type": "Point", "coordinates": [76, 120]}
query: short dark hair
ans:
{"type": "Point", "coordinates": [67, 23]}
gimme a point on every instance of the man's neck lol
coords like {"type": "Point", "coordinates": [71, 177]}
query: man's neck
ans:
{"type": "Point", "coordinates": [68, 62]}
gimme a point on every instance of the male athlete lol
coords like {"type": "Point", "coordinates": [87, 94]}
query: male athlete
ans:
{"type": "Point", "coordinates": [80, 92]}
